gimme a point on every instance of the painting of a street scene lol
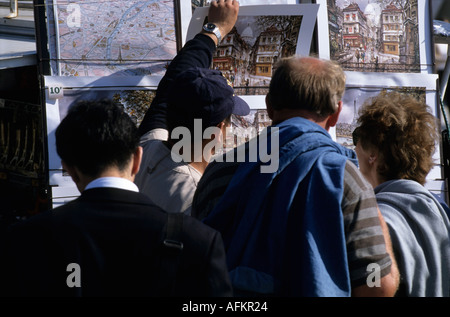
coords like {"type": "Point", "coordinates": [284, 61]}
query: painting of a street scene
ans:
{"type": "Point", "coordinates": [244, 128]}
{"type": "Point", "coordinates": [247, 55]}
{"type": "Point", "coordinates": [353, 99]}
{"type": "Point", "coordinates": [374, 35]}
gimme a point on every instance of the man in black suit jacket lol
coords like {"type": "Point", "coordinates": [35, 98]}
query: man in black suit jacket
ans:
{"type": "Point", "coordinates": [112, 240]}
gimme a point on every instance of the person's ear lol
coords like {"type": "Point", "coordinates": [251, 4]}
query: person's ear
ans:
{"type": "Point", "coordinates": [137, 159]}
{"type": "Point", "coordinates": [333, 118]}
{"type": "Point", "coordinates": [221, 125]}
{"type": "Point", "coordinates": [76, 176]}
{"type": "Point", "coordinates": [218, 137]}
{"type": "Point", "coordinates": [269, 107]}
{"type": "Point", "coordinates": [73, 172]}
{"type": "Point", "coordinates": [372, 158]}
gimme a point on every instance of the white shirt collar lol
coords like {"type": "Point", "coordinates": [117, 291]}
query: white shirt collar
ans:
{"type": "Point", "coordinates": [114, 182]}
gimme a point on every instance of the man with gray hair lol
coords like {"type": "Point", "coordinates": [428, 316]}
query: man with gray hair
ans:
{"type": "Point", "coordinates": [312, 227]}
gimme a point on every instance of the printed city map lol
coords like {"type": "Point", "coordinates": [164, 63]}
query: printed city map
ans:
{"type": "Point", "coordinates": [114, 37]}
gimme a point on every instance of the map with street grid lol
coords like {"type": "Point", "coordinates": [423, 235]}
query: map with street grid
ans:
{"type": "Point", "coordinates": [114, 37]}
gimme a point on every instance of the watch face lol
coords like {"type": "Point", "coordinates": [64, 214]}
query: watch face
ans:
{"type": "Point", "coordinates": [210, 26]}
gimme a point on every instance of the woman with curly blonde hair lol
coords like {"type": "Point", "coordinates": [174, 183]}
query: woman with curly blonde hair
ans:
{"type": "Point", "coordinates": [395, 141]}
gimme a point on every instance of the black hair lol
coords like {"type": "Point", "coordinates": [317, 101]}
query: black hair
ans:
{"type": "Point", "coordinates": [96, 135]}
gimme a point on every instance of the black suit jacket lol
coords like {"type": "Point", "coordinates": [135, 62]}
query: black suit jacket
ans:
{"type": "Point", "coordinates": [115, 237]}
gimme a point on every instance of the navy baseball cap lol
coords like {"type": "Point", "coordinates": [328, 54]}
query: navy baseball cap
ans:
{"type": "Point", "coordinates": [202, 93]}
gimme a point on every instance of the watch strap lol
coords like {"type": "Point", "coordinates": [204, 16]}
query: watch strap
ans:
{"type": "Point", "coordinates": [214, 31]}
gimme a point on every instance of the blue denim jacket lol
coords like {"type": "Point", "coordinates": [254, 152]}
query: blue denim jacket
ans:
{"type": "Point", "coordinates": [283, 231]}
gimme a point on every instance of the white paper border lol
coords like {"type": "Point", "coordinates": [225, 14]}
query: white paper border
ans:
{"type": "Point", "coordinates": [386, 80]}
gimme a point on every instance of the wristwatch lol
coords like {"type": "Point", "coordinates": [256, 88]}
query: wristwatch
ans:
{"type": "Point", "coordinates": [212, 28]}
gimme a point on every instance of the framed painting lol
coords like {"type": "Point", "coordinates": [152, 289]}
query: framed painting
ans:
{"type": "Point", "coordinates": [362, 86]}
{"type": "Point", "coordinates": [376, 35]}
{"type": "Point", "coordinates": [113, 37]}
{"type": "Point", "coordinates": [262, 35]}
{"type": "Point", "coordinates": [135, 95]}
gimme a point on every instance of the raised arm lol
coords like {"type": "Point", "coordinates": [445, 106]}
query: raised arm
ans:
{"type": "Point", "coordinates": [197, 52]}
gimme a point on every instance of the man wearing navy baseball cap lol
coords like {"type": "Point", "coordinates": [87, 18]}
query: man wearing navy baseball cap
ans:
{"type": "Point", "coordinates": [202, 93]}
{"type": "Point", "coordinates": [191, 110]}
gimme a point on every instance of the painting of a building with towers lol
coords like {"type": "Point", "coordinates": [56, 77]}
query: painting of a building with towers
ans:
{"type": "Point", "coordinates": [374, 35]}
{"type": "Point", "coordinates": [248, 54]}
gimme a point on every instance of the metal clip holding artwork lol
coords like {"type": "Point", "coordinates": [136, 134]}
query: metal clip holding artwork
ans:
{"type": "Point", "coordinates": [13, 9]}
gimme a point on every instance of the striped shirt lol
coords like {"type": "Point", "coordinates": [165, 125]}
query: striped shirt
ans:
{"type": "Point", "coordinates": [364, 236]}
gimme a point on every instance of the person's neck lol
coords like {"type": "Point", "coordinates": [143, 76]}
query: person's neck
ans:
{"type": "Point", "coordinates": [285, 114]}
{"type": "Point", "coordinates": [199, 166]}
{"type": "Point", "coordinates": [200, 162]}
{"type": "Point", "coordinates": [375, 180]}
{"type": "Point", "coordinates": [83, 180]}
{"type": "Point", "coordinates": [197, 162]}
{"type": "Point", "coordinates": [371, 174]}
